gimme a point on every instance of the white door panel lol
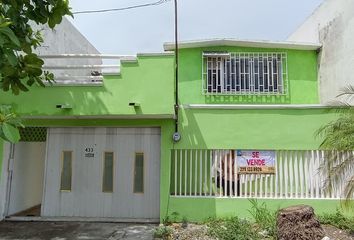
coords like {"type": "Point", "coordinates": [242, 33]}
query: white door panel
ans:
{"type": "Point", "coordinates": [86, 198]}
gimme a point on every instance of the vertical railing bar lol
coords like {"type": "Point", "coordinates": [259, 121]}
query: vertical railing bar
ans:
{"type": "Point", "coordinates": [175, 153]}
{"type": "Point", "coordinates": [246, 185]}
{"type": "Point", "coordinates": [311, 174]}
{"type": "Point", "coordinates": [230, 174]}
{"type": "Point", "coordinates": [332, 163]}
{"type": "Point", "coordinates": [286, 174]}
{"type": "Point", "coordinates": [241, 178]}
{"type": "Point", "coordinates": [196, 173]}
{"type": "Point", "coordinates": [185, 171]}
{"type": "Point", "coordinates": [340, 155]}
{"type": "Point", "coordinates": [258, 188]}
{"type": "Point", "coordinates": [296, 173]}
{"type": "Point", "coordinates": [200, 172]}
{"type": "Point", "coordinates": [271, 189]}
{"type": "Point", "coordinates": [345, 155]}
{"type": "Point", "coordinates": [341, 180]}
{"type": "Point", "coordinates": [261, 180]}
{"type": "Point", "coordinates": [236, 177]}
{"type": "Point", "coordinates": [205, 184]}
{"type": "Point", "coordinates": [291, 170]}
{"type": "Point", "coordinates": [251, 193]}
{"type": "Point", "coordinates": [216, 166]}
{"type": "Point", "coordinates": [306, 173]}
{"type": "Point", "coordinates": [190, 171]}
{"type": "Point", "coordinates": [266, 185]}
{"type": "Point", "coordinates": [279, 180]}
{"type": "Point", "coordinates": [301, 174]}
{"type": "Point", "coordinates": [180, 170]}
{"type": "Point", "coordinates": [317, 175]}
{"type": "Point", "coordinates": [210, 176]}
{"type": "Point", "coordinates": [220, 173]}
{"type": "Point", "coordinates": [224, 159]}
{"type": "Point", "coordinates": [328, 194]}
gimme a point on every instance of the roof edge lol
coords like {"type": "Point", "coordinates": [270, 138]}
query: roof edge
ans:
{"type": "Point", "coordinates": [169, 46]}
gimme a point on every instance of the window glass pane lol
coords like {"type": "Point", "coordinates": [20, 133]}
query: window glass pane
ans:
{"type": "Point", "coordinates": [108, 172]}
{"type": "Point", "coordinates": [66, 171]}
{"type": "Point", "coordinates": [139, 173]}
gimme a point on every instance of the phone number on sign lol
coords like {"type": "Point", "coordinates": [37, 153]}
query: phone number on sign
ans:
{"type": "Point", "coordinates": [257, 170]}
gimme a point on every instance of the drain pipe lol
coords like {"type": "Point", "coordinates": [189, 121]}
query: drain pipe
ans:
{"type": "Point", "coordinates": [176, 136]}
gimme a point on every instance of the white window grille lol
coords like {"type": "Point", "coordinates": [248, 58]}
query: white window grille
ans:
{"type": "Point", "coordinates": [244, 73]}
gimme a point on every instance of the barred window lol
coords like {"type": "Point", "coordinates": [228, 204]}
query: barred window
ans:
{"type": "Point", "coordinates": [244, 73]}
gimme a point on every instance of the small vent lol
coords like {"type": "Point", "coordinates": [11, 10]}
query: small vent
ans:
{"type": "Point", "coordinates": [33, 134]}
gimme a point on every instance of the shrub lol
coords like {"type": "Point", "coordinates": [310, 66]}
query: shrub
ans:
{"type": "Point", "coordinates": [163, 232]}
{"type": "Point", "coordinates": [169, 219]}
{"type": "Point", "coordinates": [338, 220]}
{"type": "Point", "coordinates": [231, 229]}
{"type": "Point", "coordinates": [264, 218]}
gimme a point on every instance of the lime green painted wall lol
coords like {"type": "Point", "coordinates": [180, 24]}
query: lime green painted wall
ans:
{"type": "Point", "coordinates": [199, 209]}
{"type": "Point", "coordinates": [302, 75]}
{"type": "Point", "coordinates": [287, 129]}
{"type": "Point", "coordinates": [150, 82]}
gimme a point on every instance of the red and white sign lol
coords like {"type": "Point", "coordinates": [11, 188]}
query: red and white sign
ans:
{"type": "Point", "coordinates": [256, 162]}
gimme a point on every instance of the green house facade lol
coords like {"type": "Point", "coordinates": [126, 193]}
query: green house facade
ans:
{"type": "Point", "coordinates": [107, 150]}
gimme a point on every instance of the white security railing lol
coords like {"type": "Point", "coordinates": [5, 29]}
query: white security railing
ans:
{"type": "Point", "coordinates": [214, 173]}
{"type": "Point", "coordinates": [83, 69]}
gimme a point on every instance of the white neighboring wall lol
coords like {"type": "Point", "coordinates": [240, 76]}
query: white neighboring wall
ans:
{"type": "Point", "coordinates": [65, 38]}
{"type": "Point", "coordinates": [331, 24]}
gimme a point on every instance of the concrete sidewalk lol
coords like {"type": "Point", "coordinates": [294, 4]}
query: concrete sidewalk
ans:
{"type": "Point", "coordinates": [75, 230]}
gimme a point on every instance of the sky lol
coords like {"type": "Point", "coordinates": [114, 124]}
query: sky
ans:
{"type": "Point", "coordinates": [146, 29]}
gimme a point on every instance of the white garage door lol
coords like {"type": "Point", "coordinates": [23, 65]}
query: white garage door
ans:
{"type": "Point", "coordinates": [102, 172]}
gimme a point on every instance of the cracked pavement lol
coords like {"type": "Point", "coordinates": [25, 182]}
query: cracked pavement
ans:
{"type": "Point", "coordinates": [75, 230]}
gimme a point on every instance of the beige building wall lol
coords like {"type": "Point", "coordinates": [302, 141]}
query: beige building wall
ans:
{"type": "Point", "coordinates": [331, 24]}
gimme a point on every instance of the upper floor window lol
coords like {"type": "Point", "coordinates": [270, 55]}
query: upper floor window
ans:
{"type": "Point", "coordinates": [244, 73]}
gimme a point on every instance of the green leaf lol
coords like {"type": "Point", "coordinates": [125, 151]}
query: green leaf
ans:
{"type": "Point", "coordinates": [8, 70]}
{"type": "Point", "coordinates": [2, 41]}
{"type": "Point", "coordinates": [5, 24]}
{"type": "Point", "coordinates": [22, 87]}
{"type": "Point", "coordinates": [10, 132]}
{"type": "Point", "coordinates": [33, 59]}
{"type": "Point", "coordinates": [11, 57]}
{"type": "Point", "coordinates": [11, 35]}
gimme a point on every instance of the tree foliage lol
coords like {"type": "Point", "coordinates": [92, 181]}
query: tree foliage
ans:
{"type": "Point", "coordinates": [20, 66]}
{"type": "Point", "coordinates": [9, 124]}
{"type": "Point", "coordinates": [338, 139]}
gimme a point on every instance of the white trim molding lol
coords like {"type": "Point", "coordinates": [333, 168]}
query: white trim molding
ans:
{"type": "Point", "coordinates": [255, 106]}
{"type": "Point", "coordinates": [169, 46]}
{"type": "Point", "coordinates": [98, 117]}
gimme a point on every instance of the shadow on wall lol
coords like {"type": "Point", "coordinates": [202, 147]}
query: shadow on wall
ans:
{"type": "Point", "coordinates": [79, 100]}
{"type": "Point", "coordinates": [191, 133]}
{"type": "Point", "coordinates": [252, 128]}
